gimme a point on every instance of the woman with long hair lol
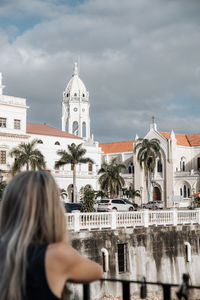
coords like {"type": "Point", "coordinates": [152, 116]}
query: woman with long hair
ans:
{"type": "Point", "coordinates": [35, 259]}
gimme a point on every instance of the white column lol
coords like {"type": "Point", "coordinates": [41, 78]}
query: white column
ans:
{"type": "Point", "coordinates": [113, 220]}
{"type": "Point", "coordinates": [175, 217]}
{"type": "Point", "coordinates": [76, 223]}
{"type": "Point", "coordinates": [198, 215]}
{"type": "Point", "coordinates": [145, 215]}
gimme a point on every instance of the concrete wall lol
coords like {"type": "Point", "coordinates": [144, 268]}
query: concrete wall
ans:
{"type": "Point", "coordinates": [158, 253]}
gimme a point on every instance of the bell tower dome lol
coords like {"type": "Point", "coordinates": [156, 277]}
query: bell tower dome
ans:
{"type": "Point", "coordinates": [75, 107]}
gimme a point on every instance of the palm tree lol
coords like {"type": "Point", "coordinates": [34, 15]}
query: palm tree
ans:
{"type": "Point", "coordinates": [74, 156]}
{"type": "Point", "coordinates": [63, 194]}
{"type": "Point", "coordinates": [131, 193]}
{"type": "Point", "coordinates": [27, 155]}
{"type": "Point", "coordinates": [148, 152]}
{"type": "Point", "coordinates": [110, 181]}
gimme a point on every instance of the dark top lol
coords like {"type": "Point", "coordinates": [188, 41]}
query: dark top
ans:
{"type": "Point", "coordinates": [36, 282]}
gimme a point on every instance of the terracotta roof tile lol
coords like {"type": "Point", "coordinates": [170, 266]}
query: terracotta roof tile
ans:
{"type": "Point", "coordinates": [184, 139]}
{"type": "Point", "coordinates": [117, 147]}
{"type": "Point", "coordinates": [43, 129]}
{"type": "Point", "coordinates": [194, 139]}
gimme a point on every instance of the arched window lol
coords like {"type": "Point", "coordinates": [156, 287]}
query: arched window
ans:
{"type": "Point", "coordinates": [40, 142]}
{"type": "Point", "coordinates": [75, 95]}
{"type": "Point", "coordinates": [185, 191]}
{"type": "Point", "coordinates": [83, 95]}
{"type": "Point", "coordinates": [90, 168]}
{"type": "Point", "coordinates": [84, 129]}
{"type": "Point", "coordinates": [68, 95]}
{"type": "Point", "coordinates": [183, 164]}
{"type": "Point", "coordinates": [130, 167]}
{"type": "Point", "coordinates": [159, 166]}
{"type": "Point", "coordinates": [57, 143]}
{"type": "Point", "coordinates": [75, 127]}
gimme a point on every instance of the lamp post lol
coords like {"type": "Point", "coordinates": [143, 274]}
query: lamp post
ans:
{"type": "Point", "coordinates": [141, 189]}
{"type": "Point", "coordinates": [153, 184]}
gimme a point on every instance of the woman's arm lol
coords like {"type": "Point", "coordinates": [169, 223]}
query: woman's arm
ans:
{"type": "Point", "coordinates": [63, 261]}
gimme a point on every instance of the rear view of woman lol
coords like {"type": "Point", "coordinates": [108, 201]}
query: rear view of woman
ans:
{"type": "Point", "coordinates": [35, 259]}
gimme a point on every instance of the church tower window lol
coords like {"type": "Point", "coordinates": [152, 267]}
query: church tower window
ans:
{"type": "Point", "coordinates": [84, 129]}
{"type": "Point", "coordinates": [75, 128]}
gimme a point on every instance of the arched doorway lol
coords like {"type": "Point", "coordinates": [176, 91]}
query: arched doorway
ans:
{"type": "Point", "coordinates": [70, 193]}
{"type": "Point", "coordinates": [156, 194]}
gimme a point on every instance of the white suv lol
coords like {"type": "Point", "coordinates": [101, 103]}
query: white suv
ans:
{"type": "Point", "coordinates": [114, 205]}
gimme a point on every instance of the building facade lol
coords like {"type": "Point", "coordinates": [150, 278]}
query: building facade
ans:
{"type": "Point", "coordinates": [176, 176]}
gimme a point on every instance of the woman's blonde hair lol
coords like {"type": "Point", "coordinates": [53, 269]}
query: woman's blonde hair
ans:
{"type": "Point", "coordinates": [31, 212]}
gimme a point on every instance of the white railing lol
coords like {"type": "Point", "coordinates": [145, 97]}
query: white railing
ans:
{"type": "Point", "coordinates": [112, 220]}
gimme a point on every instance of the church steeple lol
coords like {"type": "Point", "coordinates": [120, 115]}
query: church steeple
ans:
{"type": "Point", "coordinates": [75, 107]}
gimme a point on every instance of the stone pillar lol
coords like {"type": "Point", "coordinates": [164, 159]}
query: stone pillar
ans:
{"type": "Point", "coordinates": [175, 217]}
{"type": "Point", "coordinates": [76, 223]}
{"type": "Point", "coordinates": [113, 220]}
{"type": "Point", "coordinates": [145, 215]}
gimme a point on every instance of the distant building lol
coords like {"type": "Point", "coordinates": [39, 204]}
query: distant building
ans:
{"type": "Point", "coordinates": [177, 174]}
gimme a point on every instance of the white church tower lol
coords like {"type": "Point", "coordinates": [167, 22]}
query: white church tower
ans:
{"type": "Point", "coordinates": [75, 107]}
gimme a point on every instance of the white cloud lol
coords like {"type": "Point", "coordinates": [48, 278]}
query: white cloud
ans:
{"type": "Point", "coordinates": [138, 58]}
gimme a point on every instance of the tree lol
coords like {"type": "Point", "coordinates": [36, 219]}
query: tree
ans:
{"type": "Point", "coordinates": [100, 194]}
{"type": "Point", "coordinates": [63, 194]}
{"type": "Point", "coordinates": [74, 156]}
{"type": "Point", "coordinates": [148, 152]}
{"type": "Point", "coordinates": [111, 181]}
{"type": "Point", "coordinates": [131, 193]}
{"type": "Point", "coordinates": [27, 155]}
{"type": "Point", "coordinates": [87, 199]}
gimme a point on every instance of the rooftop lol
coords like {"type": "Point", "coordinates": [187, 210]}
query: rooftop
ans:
{"type": "Point", "coordinates": [117, 147]}
{"type": "Point", "coordinates": [43, 129]}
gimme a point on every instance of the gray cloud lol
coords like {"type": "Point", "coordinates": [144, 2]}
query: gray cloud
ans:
{"type": "Point", "coordinates": [138, 58]}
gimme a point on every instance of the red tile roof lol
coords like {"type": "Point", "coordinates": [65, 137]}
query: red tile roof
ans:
{"type": "Point", "coordinates": [184, 139]}
{"type": "Point", "coordinates": [43, 129]}
{"type": "Point", "coordinates": [117, 147]}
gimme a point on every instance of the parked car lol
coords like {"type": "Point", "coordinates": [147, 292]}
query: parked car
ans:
{"type": "Point", "coordinates": [70, 207]}
{"type": "Point", "coordinates": [114, 205]}
{"type": "Point", "coordinates": [135, 206]}
{"type": "Point", "coordinates": [95, 206]}
{"type": "Point", "coordinates": [153, 205]}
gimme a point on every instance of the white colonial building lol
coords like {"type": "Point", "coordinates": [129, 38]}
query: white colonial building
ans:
{"type": "Point", "coordinates": [176, 175]}
{"type": "Point", "coordinates": [14, 130]}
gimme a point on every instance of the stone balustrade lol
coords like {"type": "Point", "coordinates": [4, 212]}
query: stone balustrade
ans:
{"type": "Point", "coordinates": [113, 220]}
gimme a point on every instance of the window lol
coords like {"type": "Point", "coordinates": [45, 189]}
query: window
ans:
{"type": "Point", "coordinates": [83, 129]}
{"type": "Point", "coordinates": [57, 143]}
{"type": "Point", "coordinates": [90, 167]}
{"type": "Point", "coordinates": [183, 164]}
{"type": "Point", "coordinates": [83, 95]}
{"type": "Point", "coordinates": [3, 122]}
{"type": "Point", "coordinates": [68, 95]}
{"type": "Point", "coordinates": [17, 124]}
{"type": "Point", "coordinates": [40, 142]}
{"type": "Point", "coordinates": [181, 192]}
{"type": "Point", "coordinates": [75, 127]}
{"type": "Point", "coordinates": [75, 94]}
{"type": "Point", "coordinates": [122, 257]}
{"type": "Point", "coordinates": [198, 163]}
{"type": "Point", "coordinates": [159, 166]}
{"type": "Point", "coordinates": [2, 157]}
{"type": "Point", "coordinates": [130, 168]}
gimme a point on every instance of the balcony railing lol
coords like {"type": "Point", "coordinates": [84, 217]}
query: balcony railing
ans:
{"type": "Point", "coordinates": [181, 291]}
{"type": "Point", "coordinates": [144, 218]}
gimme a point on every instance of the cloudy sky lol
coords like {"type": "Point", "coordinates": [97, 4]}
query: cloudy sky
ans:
{"type": "Point", "coordinates": [138, 59]}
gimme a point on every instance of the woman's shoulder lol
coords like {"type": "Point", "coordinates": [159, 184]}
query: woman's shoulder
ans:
{"type": "Point", "coordinates": [61, 253]}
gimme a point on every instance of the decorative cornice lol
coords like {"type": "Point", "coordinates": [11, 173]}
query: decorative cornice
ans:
{"type": "Point", "coordinates": [14, 135]}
